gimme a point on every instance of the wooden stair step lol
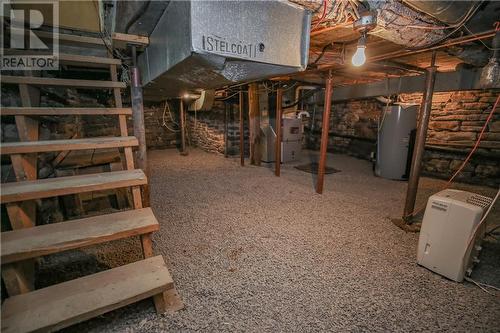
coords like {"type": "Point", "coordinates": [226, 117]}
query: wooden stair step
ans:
{"type": "Point", "coordinates": [76, 59]}
{"type": "Point", "coordinates": [27, 147]}
{"type": "Point", "coordinates": [68, 303]}
{"type": "Point", "coordinates": [46, 239]}
{"type": "Point", "coordinates": [49, 81]}
{"type": "Point", "coordinates": [51, 187]}
{"type": "Point", "coordinates": [73, 39]}
{"type": "Point", "coordinates": [81, 59]}
{"type": "Point", "coordinates": [38, 111]}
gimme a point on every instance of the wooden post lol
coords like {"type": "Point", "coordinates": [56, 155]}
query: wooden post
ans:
{"type": "Point", "coordinates": [183, 129]}
{"type": "Point", "coordinates": [226, 120]}
{"type": "Point", "coordinates": [141, 157]}
{"type": "Point", "coordinates": [242, 131]}
{"type": "Point", "coordinates": [324, 133]}
{"type": "Point", "coordinates": [167, 301]}
{"type": "Point", "coordinates": [418, 152]}
{"type": "Point", "coordinates": [19, 277]}
{"type": "Point", "coordinates": [279, 113]}
{"type": "Point", "coordinates": [254, 123]}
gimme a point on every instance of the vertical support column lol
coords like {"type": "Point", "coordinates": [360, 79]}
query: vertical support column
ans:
{"type": "Point", "coordinates": [141, 156]}
{"type": "Point", "coordinates": [19, 277]}
{"type": "Point", "coordinates": [254, 123]}
{"type": "Point", "coordinates": [418, 152]}
{"type": "Point", "coordinates": [226, 120]}
{"type": "Point", "coordinates": [242, 130]}
{"type": "Point", "coordinates": [183, 128]}
{"type": "Point", "coordinates": [324, 133]}
{"type": "Point", "coordinates": [279, 115]}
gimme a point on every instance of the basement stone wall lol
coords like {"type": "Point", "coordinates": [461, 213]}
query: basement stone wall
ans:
{"type": "Point", "coordinates": [157, 135]}
{"type": "Point", "coordinates": [456, 121]}
{"type": "Point", "coordinates": [206, 129]}
{"type": "Point", "coordinates": [82, 161]}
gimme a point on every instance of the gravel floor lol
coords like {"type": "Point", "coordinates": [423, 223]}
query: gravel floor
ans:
{"type": "Point", "coordinates": [252, 252]}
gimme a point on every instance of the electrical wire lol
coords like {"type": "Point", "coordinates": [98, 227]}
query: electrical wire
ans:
{"type": "Point", "coordinates": [304, 96]}
{"type": "Point", "coordinates": [476, 145]}
{"type": "Point", "coordinates": [164, 123]}
{"type": "Point", "coordinates": [384, 114]}
{"type": "Point", "coordinates": [228, 97]}
{"type": "Point", "coordinates": [492, 231]}
{"type": "Point", "coordinates": [325, 4]}
{"type": "Point", "coordinates": [480, 40]}
{"type": "Point", "coordinates": [466, 18]}
{"type": "Point", "coordinates": [476, 228]}
{"type": "Point", "coordinates": [480, 285]}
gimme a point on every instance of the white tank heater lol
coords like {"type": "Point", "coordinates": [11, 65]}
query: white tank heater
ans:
{"type": "Point", "coordinates": [450, 220]}
{"type": "Point", "coordinates": [394, 145]}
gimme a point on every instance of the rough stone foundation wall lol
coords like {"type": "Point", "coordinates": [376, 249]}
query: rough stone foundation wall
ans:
{"type": "Point", "coordinates": [206, 130]}
{"type": "Point", "coordinates": [77, 162]}
{"type": "Point", "coordinates": [455, 123]}
{"type": "Point", "coordinates": [157, 135]}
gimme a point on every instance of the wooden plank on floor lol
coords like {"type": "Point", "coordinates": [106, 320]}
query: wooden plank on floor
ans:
{"type": "Point", "coordinates": [37, 111]}
{"type": "Point", "coordinates": [61, 145]}
{"type": "Point", "coordinates": [67, 303]}
{"type": "Point", "coordinates": [49, 81]}
{"type": "Point", "coordinates": [57, 237]}
{"type": "Point", "coordinates": [51, 187]}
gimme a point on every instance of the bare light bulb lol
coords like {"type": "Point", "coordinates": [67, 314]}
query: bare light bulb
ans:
{"type": "Point", "coordinates": [359, 58]}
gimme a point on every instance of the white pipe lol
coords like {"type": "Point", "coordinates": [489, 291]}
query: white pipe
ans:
{"type": "Point", "coordinates": [297, 94]}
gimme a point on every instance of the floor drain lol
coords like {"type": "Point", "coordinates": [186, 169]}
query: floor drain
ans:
{"type": "Point", "coordinates": [313, 168]}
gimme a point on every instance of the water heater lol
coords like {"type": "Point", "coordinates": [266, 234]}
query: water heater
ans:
{"type": "Point", "coordinates": [394, 144]}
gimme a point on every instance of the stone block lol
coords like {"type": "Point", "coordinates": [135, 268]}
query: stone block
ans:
{"type": "Point", "coordinates": [437, 165]}
{"type": "Point", "coordinates": [494, 126]}
{"type": "Point", "coordinates": [455, 164]}
{"type": "Point", "coordinates": [490, 171]}
{"type": "Point", "coordinates": [453, 136]}
{"type": "Point", "coordinates": [445, 125]}
{"type": "Point", "coordinates": [491, 136]}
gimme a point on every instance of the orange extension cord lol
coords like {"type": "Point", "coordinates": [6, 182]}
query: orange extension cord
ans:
{"type": "Point", "coordinates": [476, 145]}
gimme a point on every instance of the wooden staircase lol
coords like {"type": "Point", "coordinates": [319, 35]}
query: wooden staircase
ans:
{"type": "Point", "coordinates": [64, 304]}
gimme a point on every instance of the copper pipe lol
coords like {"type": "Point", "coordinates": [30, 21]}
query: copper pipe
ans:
{"type": "Point", "coordinates": [254, 123]}
{"type": "Point", "coordinates": [418, 153]}
{"type": "Point", "coordinates": [242, 129]}
{"type": "Point", "coordinates": [279, 114]}
{"type": "Point", "coordinates": [399, 54]}
{"type": "Point", "coordinates": [183, 133]}
{"type": "Point", "coordinates": [324, 133]}
{"type": "Point", "coordinates": [456, 41]}
{"type": "Point", "coordinates": [327, 29]}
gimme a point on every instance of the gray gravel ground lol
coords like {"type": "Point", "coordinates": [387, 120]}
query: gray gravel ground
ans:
{"type": "Point", "coordinates": [252, 252]}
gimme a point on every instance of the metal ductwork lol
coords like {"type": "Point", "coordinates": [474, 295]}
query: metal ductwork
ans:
{"type": "Point", "coordinates": [448, 12]}
{"type": "Point", "coordinates": [210, 44]}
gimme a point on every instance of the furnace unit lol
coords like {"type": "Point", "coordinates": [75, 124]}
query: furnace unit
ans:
{"type": "Point", "coordinates": [291, 141]}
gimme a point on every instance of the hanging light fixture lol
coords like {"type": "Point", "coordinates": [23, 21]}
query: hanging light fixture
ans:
{"type": "Point", "coordinates": [359, 57]}
{"type": "Point", "coordinates": [366, 22]}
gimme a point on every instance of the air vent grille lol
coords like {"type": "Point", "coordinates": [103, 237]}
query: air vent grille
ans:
{"type": "Point", "coordinates": [479, 200]}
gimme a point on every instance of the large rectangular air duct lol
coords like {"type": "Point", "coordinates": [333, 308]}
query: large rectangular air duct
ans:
{"type": "Point", "coordinates": [209, 44]}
